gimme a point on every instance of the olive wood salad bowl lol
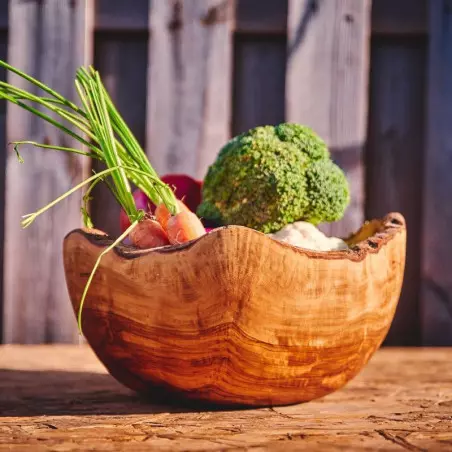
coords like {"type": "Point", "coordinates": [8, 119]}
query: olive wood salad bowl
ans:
{"type": "Point", "coordinates": [236, 317]}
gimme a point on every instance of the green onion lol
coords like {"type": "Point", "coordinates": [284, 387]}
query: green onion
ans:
{"type": "Point", "coordinates": [98, 126]}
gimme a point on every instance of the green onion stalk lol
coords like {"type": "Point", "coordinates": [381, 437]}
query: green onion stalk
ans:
{"type": "Point", "coordinates": [98, 127]}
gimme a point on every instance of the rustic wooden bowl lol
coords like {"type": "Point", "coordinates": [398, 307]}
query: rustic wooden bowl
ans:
{"type": "Point", "coordinates": [236, 317]}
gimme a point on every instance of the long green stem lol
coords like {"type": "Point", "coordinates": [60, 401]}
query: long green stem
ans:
{"type": "Point", "coordinates": [39, 84]}
{"type": "Point", "coordinates": [48, 119]}
{"type": "Point", "coordinates": [109, 138]}
{"type": "Point", "coordinates": [29, 218]}
{"type": "Point", "coordinates": [54, 147]}
{"type": "Point", "coordinates": [25, 95]}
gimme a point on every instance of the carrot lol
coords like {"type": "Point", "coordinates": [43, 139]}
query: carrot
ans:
{"type": "Point", "coordinates": [183, 227]}
{"type": "Point", "coordinates": [162, 214]}
{"type": "Point", "coordinates": [142, 202]}
{"type": "Point", "coordinates": [148, 234]}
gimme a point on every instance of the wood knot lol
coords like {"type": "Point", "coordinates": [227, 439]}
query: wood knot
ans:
{"type": "Point", "coordinates": [217, 14]}
{"type": "Point", "coordinates": [176, 20]}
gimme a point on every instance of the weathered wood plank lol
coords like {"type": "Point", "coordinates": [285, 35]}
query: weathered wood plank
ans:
{"type": "Point", "coordinates": [259, 82]}
{"type": "Point", "coordinates": [437, 207]}
{"type": "Point", "coordinates": [60, 398]}
{"type": "Point", "coordinates": [389, 17]}
{"type": "Point", "coordinates": [407, 17]}
{"type": "Point", "coordinates": [327, 81]}
{"type": "Point", "coordinates": [121, 15]}
{"type": "Point", "coordinates": [394, 160]}
{"type": "Point", "coordinates": [122, 62]}
{"type": "Point", "coordinates": [261, 17]}
{"type": "Point", "coordinates": [3, 56]}
{"type": "Point", "coordinates": [188, 83]}
{"type": "Point", "coordinates": [50, 44]}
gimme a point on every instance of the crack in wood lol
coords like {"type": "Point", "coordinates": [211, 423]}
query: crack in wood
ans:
{"type": "Point", "coordinates": [51, 426]}
{"type": "Point", "coordinates": [396, 439]}
{"type": "Point", "coordinates": [286, 416]}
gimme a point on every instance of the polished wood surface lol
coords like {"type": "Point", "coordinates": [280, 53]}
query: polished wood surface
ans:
{"type": "Point", "coordinates": [60, 398]}
{"type": "Point", "coordinates": [236, 317]}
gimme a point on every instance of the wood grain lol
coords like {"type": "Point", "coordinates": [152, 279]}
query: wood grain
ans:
{"type": "Point", "coordinates": [61, 398]}
{"type": "Point", "coordinates": [326, 85]}
{"type": "Point", "coordinates": [437, 208]}
{"type": "Point", "coordinates": [394, 160]}
{"type": "Point", "coordinates": [189, 84]}
{"type": "Point", "coordinates": [236, 317]}
{"type": "Point", "coordinates": [50, 44]}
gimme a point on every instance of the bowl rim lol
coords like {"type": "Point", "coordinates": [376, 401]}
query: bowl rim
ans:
{"type": "Point", "coordinates": [385, 229]}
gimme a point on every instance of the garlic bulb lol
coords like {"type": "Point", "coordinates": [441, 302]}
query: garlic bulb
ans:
{"type": "Point", "coordinates": [306, 235]}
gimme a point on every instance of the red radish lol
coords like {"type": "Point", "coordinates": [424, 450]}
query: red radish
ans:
{"type": "Point", "coordinates": [141, 201]}
{"type": "Point", "coordinates": [183, 227]}
{"type": "Point", "coordinates": [185, 188]}
{"type": "Point", "coordinates": [148, 234]}
{"type": "Point", "coordinates": [162, 214]}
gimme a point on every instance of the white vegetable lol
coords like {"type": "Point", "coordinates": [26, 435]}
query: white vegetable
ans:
{"type": "Point", "coordinates": [306, 235]}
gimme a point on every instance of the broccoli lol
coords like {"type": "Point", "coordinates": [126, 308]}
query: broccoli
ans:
{"type": "Point", "coordinates": [272, 176]}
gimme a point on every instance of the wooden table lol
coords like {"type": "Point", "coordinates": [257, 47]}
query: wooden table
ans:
{"type": "Point", "coordinates": [59, 398]}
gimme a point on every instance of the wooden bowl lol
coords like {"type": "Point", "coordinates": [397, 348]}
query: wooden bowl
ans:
{"type": "Point", "coordinates": [236, 317]}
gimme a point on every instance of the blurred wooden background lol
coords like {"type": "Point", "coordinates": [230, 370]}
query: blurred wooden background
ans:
{"type": "Point", "coordinates": [372, 78]}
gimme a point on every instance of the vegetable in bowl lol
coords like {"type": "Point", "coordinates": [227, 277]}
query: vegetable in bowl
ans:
{"type": "Point", "coordinates": [265, 179]}
{"type": "Point", "coordinates": [271, 176]}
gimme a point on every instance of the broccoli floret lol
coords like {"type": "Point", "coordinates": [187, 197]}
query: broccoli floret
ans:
{"type": "Point", "coordinates": [272, 176]}
{"type": "Point", "coordinates": [328, 192]}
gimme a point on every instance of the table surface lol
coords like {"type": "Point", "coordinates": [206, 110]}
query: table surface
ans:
{"type": "Point", "coordinates": [60, 398]}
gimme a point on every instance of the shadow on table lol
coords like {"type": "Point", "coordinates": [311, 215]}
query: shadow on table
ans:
{"type": "Point", "coordinates": [53, 393]}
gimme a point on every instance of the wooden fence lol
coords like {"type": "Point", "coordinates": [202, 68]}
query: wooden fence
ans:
{"type": "Point", "coordinates": [372, 78]}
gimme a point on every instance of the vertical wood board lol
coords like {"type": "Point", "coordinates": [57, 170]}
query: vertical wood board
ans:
{"type": "Point", "coordinates": [394, 160]}
{"type": "Point", "coordinates": [407, 17]}
{"type": "Point", "coordinates": [52, 41]}
{"type": "Point", "coordinates": [327, 83]}
{"type": "Point", "coordinates": [261, 16]}
{"type": "Point", "coordinates": [259, 82]}
{"type": "Point", "coordinates": [3, 56]}
{"type": "Point", "coordinates": [121, 15]}
{"type": "Point", "coordinates": [437, 216]}
{"type": "Point", "coordinates": [189, 84]}
{"type": "Point", "coordinates": [121, 59]}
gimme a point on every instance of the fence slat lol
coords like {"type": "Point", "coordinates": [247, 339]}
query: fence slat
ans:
{"type": "Point", "coordinates": [326, 85]}
{"type": "Point", "coordinates": [407, 17]}
{"type": "Point", "coordinates": [437, 244]}
{"type": "Point", "coordinates": [258, 100]}
{"type": "Point", "coordinates": [394, 160]}
{"type": "Point", "coordinates": [190, 60]}
{"type": "Point", "coordinates": [121, 15]}
{"type": "Point", "coordinates": [3, 56]}
{"type": "Point", "coordinates": [50, 43]}
{"type": "Point", "coordinates": [261, 17]}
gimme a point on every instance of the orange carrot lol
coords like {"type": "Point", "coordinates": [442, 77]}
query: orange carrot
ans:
{"type": "Point", "coordinates": [148, 234]}
{"type": "Point", "coordinates": [162, 213]}
{"type": "Point", "coordinates": [183, 227]}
